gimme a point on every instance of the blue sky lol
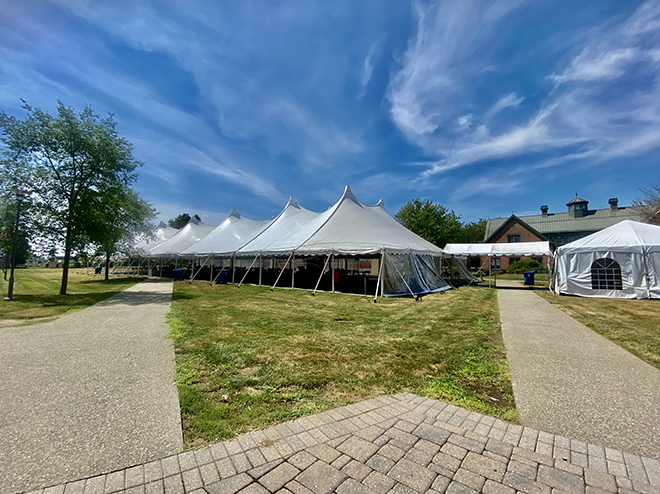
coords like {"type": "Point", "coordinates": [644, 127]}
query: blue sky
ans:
{"type": "Point", "coordinates": [488, 108]}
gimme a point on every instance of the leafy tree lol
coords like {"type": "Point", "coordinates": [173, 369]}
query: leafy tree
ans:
{"type": "Point", "coordinates": [115, 219]}
{"type": "Point", "coordinates": [66, 162]}
{"type": "Point", "coordinates": [473, 232]}
{"type": "Point", "coordinates": [430, 221]}
{"type": "Point", "coordinates": [649, 207]}
{"type": "Point", "coordinates": [7, 225]}
{"type": "Point", "coordinates": [181, 220]}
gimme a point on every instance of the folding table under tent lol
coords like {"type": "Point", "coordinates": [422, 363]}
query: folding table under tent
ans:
{"type": "Point", "coordinates": [350, 229]}
{"type": "Point", "coordinates": [622, 261]}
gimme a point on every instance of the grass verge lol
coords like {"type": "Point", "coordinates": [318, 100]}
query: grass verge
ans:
{"type": "Point", "coordinates": [248, 358]}
{"type": "Point", "coordinates": [631, 324]}
{"type": "Point", "coordinates": [37, 299]}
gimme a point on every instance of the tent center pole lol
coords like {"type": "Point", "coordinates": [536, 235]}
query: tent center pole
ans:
{"type": "Point", "coordinates": [333, 272]}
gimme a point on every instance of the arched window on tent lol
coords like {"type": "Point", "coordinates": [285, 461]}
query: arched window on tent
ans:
{"type": "Point", "coordinates": [606, 275]}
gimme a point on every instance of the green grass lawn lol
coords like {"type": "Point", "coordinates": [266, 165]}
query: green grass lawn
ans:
{"type": "Point", "coordinates": [37, 299]}
{"type": "Point", "coordinates": [631, 324]}
{"type": "Point", "coordinates": [248, 358]}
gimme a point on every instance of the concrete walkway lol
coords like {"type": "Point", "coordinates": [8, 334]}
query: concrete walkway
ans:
{"type": "Point", "coordinates": [90, 392]}
{"type": "Point", "coordinates": [400, 444]}
{"type": "Point", "coordinates": [571, 381]}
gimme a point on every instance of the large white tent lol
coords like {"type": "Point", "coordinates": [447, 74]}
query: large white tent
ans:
{"type": "Point", "coordinates": [229, 236]}
{"type": "Point", "coordinates": [622, 261]}
{"type": "Point", "coordinates": [193, 232]}
{"type": "Point", "coordinates": [162, 233]}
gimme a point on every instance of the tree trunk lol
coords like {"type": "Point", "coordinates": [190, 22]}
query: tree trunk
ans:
{"type": "Point", "coordinates": [107, 265]}
{"type": "Point", "coordinates": [65, 263]}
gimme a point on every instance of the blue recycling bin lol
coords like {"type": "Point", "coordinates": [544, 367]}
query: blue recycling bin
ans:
{"type": "Point", "coordinates": [178, 274]}
{"type": "Point", "coordinates": [529, 277]}
{"type": "Point", "coordinates": [222, 277]}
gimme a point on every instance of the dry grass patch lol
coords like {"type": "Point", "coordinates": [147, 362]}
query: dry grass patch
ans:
{"type": "Point", "coordinates": [631, 324]}
{"type": "Point", "coordinates": [248, 358]}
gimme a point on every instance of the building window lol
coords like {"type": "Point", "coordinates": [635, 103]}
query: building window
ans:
{"type": "Point", "coordinates": [495, 263]}
{"type": "Point", "coordinates": [538, 259]}
{"type": "Point", "coordinates": [513, 259]}
{"type": "Point", "coordinates": [514, 238]}
{"type": "Point", "coordinates": [606, 275]}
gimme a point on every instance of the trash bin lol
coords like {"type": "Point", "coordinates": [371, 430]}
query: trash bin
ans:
{"type": "Point", "coordinates": [529, 277]}
{"type": "Point", "coordinates": [97, 269]}
{"type": "Point", "coordinates": [222, 277]}
{"type": "Point", "coordinates": [178, 274]}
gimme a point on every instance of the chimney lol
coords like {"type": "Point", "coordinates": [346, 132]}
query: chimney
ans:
{"type": "Point", "coordinates": [614, 203]}
{"type": "Point", "coordinates": [544, 210]}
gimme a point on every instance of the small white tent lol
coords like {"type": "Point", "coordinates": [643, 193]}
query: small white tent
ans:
{"type": "Point", "coordinates": [622, 261]}
{"type": "Point", "coordinates": [162, 233]}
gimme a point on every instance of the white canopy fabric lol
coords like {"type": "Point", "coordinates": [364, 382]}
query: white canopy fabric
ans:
{"type": "Point", "coordinates": [622, 261]}
{"type": "Point", "coordinates": [162, 233]}
{"type": "Point", "coordinates": [290, 229]}
{"type": "Point", "coordinates": [193, 232]}
{"type": "Point", "coordinates": [229, 236]}
{"type": "Point", "coordinates": [354, 228]}
{"type": "Point", "coordinates": [497, 249]}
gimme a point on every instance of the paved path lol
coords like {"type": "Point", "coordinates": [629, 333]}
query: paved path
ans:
{"type": "Point", "coordinates": [401, 444]}
{"type": "Point", "coordinates": [90, 392]}
{"type": "Point", "coordinates": [571, 381]}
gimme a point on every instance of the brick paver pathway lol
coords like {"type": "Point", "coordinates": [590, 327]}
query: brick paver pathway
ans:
{"type": "Point", "coordinates": [400, 443]}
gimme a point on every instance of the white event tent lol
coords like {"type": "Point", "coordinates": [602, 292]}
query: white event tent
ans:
{"type": "Point", "coordinates": [514, 249]}
{"type": "Point", "coordinates": [193, 232]}
{"type": "Point", "coordinates": [622, 261]}
{"type": "Point", "coordinates": [162, 233]}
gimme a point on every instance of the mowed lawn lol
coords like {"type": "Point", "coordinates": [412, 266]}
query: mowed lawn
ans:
{"type": "Point", "coordinates": [248, 358]}
{"type": "Point", "coordinates": [37, 299]}
{"type": "Point", "coordinates": [631, 324]}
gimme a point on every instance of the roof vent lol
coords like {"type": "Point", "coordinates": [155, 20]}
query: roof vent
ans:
{"type": "Point", "coordinates": [614, 203]}
{"type": "Point", "coordinates": [544, 210]}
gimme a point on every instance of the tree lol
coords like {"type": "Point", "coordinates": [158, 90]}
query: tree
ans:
{"type": "Point", "coordinates": [65, 162]}
{"type": "Point", "coordinates": [7, 226]}
{"type": "Point", "coordinates": [472, 232]}
{"type": "Point", "coordinates": [115, 219]}
{"type": "Point", "coordinates": [430, 221]}
{"type": "Point", "coordinates": [649, 207]}
{"type": "Point", "coordinates": [181, 220]}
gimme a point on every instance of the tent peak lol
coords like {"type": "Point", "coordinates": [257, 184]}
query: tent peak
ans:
{"type": "Point", "coordinates": [348, 194]}
{"type": "Point", "coordinates": [234, 213]}
{"type": "Point", "coordinates": [381, 204]}
{"type": "Point", "coordinates": [293, 202]}
{"type": "Point", "coordinates": [162, 224]}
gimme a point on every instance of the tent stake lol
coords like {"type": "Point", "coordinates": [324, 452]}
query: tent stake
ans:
{"type": "Point", "coordinates": [322, 271]}
{"type": "Point", "coordinates": [380, 273]}
{"type": "Point", "coordinates": [280, 275]}
{"type": "Point", "coordinates": [248, 271]}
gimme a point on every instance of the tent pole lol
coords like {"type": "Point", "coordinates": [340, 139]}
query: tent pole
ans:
{"type": "Point", "coordinates": [192, 269]}
{"type": "Point", "coordinates": [407, 286]}
{"type": "Point", "coordinates": [380, 273]}
{"type": "Point", "coordinates": [222, 267]}
{"type": "Point", "coordinates": [282, 271]}
{"type": "Point", "coordinates": [233, 268]}
{"type": "Point", "coordinates": [333, 272]}
{"type": "Point", "coordinates": [322, 271]}
{"type": "Point", "coordinates": [248, 271]}
{"type": "Point", "coordinates": [261, 264]}
{"type": "Point", "coordinates": [293, 271]}
{"type": "Point", "coordinates": [490, 270]}
{"type": "Point", "coordinates": [200, 268]}
{"type": "Point", "coordinates": [161, 267]}
{"type": "Point", "coordinates": [212, 266]}
{"type": "Point", "coordinates": [176, 262]}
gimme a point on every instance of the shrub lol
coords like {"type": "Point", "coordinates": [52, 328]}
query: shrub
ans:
{"type": "Point", "coordinates": [523, 265]}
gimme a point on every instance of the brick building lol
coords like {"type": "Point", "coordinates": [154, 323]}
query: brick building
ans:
{"type": "Point", "coordinates": [557, 228]}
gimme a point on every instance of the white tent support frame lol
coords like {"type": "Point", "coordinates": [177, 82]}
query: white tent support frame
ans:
{"type": "Point", "coordinates": [201, 267]}
{"type": "Point", "coordinates": [281, 272]}
{"type": "Point", "coordinates": [380, 275]}
{"type": "Point", "coordinates": [248, 270]}
{"type": "Point", "coordinates": [322, 272]}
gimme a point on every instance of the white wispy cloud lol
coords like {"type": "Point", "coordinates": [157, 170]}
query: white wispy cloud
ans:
{"type": "Point", "coordinates": [584, 117]}
{"type": "Point", "coordinates": [368, 66]}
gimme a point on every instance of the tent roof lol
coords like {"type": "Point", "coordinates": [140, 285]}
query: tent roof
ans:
{"type": "Point", "coordinates": [229, 236]}
{"type": "Point", "coordinates": [162, 233]}
{"type": "Point", "coordinates": [193, 232]}
{"type": "Point", "coordinates": [500, 249]}
{"type": "Point", "coordinates": [354, 228]}
{"type": "Point", "coordinates": [627, 235]}
{"type": "Point", "coordinates": [288, 231]}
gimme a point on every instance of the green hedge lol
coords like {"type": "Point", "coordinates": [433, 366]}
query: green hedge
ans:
{"type": "Point", "coordinates": [523, 265]}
